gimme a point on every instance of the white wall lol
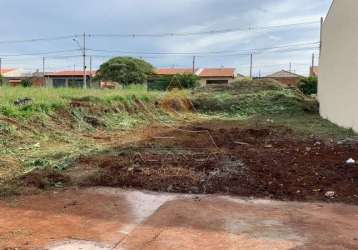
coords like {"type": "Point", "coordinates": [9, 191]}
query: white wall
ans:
{"type": "Point", "coordinates": [338, 78]}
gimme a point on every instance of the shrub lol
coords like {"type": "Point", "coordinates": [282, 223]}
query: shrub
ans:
{"type": "Point", "coordinates": [26, 83]}
{"type": "Point", "coordinates": [179, 81]}
{"type": "Point", "coordinates": [309, 85]}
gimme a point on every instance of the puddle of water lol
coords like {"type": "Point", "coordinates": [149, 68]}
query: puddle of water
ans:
{"type": "Point", "coordinates": [142, 204]}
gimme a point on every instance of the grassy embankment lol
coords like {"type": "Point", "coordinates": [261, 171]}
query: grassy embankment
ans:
{"type": "Point", "coordinates": [60, 125]}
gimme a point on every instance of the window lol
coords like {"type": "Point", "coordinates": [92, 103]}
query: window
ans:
{"type": "Point", "coordinates": [217, 82]}
{"type": "Point", "coordinates": [75, 83]}
{"type": "Point", "coordinates": [59, 83]}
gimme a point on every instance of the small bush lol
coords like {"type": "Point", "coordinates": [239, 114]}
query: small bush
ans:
{"type": "Point", "coordinates": [178, 81]}
{"type": "Point", "coordinates": [309, 85]}
{"type": "Point", "coordinates": [26, 83]}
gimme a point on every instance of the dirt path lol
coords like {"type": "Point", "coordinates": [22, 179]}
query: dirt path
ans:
{"type": "Point", "coordinates": [107, 218]}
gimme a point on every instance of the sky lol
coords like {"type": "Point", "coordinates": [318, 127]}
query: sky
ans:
{"type": "Point", "coordinates": [277, 32]}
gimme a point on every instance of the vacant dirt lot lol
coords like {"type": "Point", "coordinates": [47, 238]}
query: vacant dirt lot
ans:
{"type": "Point", "coordinates": [222, 158]}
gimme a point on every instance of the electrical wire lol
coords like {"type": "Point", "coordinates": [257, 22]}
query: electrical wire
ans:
{"type": "Point", "coordinates": [39, 53]}
{"type": "Point", "coordinates": [38, 39]}
{"type": "Point", "coordinates": [209, 32]}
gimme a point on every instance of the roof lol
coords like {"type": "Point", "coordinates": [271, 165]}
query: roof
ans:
{"type": "Point", "coordinates": [5, 71]}
{"type": "Point", "coordinates": [283, 74]}
{"type": "Point", "coordinates": [217, 72]}
{"type": "Point", "coordinates": [173, 71]}
{"type": "Point", "coordinates": [204, 72]}
{"type": "Point", "coordinates": [15, 81]}
{"type": "Point", "coordinates": [314, 71]}
{"type": "Point", "coordinates": [69, 73]}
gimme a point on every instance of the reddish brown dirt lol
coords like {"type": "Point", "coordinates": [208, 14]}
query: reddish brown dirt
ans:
{"type": "Point", "coordinates": [262, 162]}
{"type": "Point", "coordinates": [36, 221]}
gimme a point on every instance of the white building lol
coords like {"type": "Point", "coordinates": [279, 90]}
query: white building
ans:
{"type": "Point", "coordinates": [338, 81]}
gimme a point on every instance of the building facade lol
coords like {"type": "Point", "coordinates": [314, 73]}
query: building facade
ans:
{"type": "Point", "coordinates": [70, 79]}
{"type": "Point", "coordinates": [207, 76]}
{"type": "Point", "coordinates": [338, 84]}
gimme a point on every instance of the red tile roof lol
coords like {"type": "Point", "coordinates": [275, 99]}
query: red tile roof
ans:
{"type": "Point", "coordinates": [217, 72]}
{"type": "Point", "coordinates": [283, 74]}
{"type": "Point", "coordinates": [70, 73]}
{"type": "Point", "coordinates": [314, 71]}
{"type": "Point", "coordinates": [4, 71]}
{"type": "Point", "coordinates": [173, 71]}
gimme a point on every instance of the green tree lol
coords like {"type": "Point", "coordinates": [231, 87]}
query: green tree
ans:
{"type": "Point", "coordinates": [125, 70]}
{"type": "Point", "coordinates": [1, 80]}
{"type": "Point", "coordinates": [309, 85]}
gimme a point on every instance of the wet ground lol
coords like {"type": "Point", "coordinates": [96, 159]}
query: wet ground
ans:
{"type": "Point", "coordinates": [267, 162]}
{"type": "Point", "coordinates": [108, 218]}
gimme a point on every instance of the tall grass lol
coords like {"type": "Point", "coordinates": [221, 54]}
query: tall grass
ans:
{"type": "Point", "coordinates": [48, 99]}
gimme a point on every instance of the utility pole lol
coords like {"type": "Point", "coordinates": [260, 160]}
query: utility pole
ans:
{"type": "Point", "coordinates": [90, 71]}
{"type": "Point", "coordinates": [43, 71]}
{"type": "Point", "coordinates": [194, 58]}
{"type": "Point", "coordinates": [251, 64]}
{"type": "Point", "coordinates": [290, 68]}
{"type": "Point", "coordinates": [84, 62]}
{"type": "Point", "coordinates": [313, 59]}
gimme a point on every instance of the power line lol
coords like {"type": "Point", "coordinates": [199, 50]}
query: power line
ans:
{"type": "Point", "coordinates": [208, 32]}
{"type": "Point", "coordinates": [38, 39]}
{"type": "Point", "coordinates": [39, 53]}
{"type": "Point", "coordinates": [288, 47]}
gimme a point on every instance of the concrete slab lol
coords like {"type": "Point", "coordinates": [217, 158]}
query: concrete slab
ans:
{"type": "Point", "coordinates": [107, 218]}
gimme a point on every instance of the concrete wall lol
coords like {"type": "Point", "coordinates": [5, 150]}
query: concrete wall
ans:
{"type": "Point", "coordinates": [338, 81]}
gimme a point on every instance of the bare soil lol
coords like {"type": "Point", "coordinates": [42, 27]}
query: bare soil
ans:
{"type": "Point", "coordinates": [221, 158]}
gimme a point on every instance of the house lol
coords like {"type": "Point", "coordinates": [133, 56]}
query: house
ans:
{"type": "Point", "coordinates": [13, 77]}
{"type": "Point", "coordinates": [337, 83]}
{"type": "Point", "coordinates": [285, 77]}
{"type": "Point", "coordinates": [72, 79]}
{"type": "Point", "coordinates": [314, 71]}
{"type": "Point", "coordinates": [214, 76]}
{"type": "Point", "coordinates": [208, 76]}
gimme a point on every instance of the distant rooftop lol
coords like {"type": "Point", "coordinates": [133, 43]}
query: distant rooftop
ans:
{"type": "Point", "coordinates": [217, 72]}
{"type": "Point", "coordinates": [283, 74]}
{"type": "Point", "coordinates": [6, 70]}
{"type": "Point", "coordinates": [173, 71]}
{"type": "Point", "coordinates": [69, 73]}
{"type": "Point", "coordinates": [203, 72]}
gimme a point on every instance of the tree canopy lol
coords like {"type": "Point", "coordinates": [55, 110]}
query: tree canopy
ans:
{"type": "Point", "coordinates": [125, 70]}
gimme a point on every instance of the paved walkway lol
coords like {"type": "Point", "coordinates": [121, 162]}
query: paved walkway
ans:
{"type": "Point", "coordinates": [105, 218]}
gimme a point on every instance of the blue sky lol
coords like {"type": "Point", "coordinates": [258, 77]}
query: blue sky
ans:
{"type": "Point", "coordinates": [21, 20]}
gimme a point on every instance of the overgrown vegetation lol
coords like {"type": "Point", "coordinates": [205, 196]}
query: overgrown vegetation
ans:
{"type": "Point", "coordinates": [180, 81]}
{"type": "Point", "coordinates": [309, 85]}
{"type": "Point", "coordinates": [61, 125]}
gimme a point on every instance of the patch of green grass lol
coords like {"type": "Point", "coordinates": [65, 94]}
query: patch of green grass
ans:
{"type": "Point", "coordinates": [46, 100]}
